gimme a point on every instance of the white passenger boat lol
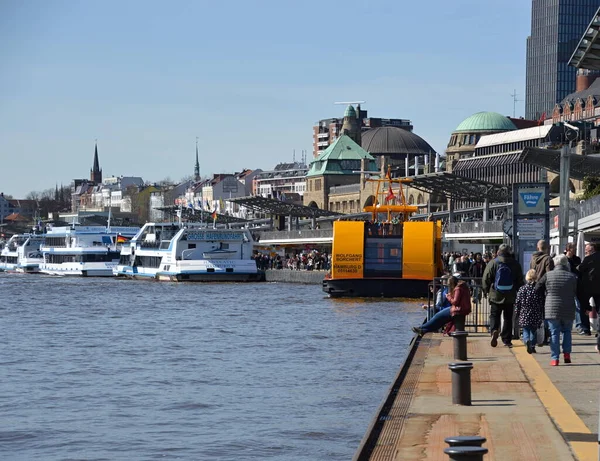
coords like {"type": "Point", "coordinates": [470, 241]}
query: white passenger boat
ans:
{"type": "Point", "coordinates": [22, 253]}
{"type": "Point", "coordinates": [88, 251]}
{"type": "Point", "coordinates": [189, 252]}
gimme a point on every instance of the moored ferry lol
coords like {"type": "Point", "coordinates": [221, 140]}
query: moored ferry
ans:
{"type": "Point", "coordinates": [388, 256]}
{"type": "Point", "coordinates": [189, 252]}
{"type": "Point", "coordinates": [22, 253]}
{"type": "Point", "coordinates": [88, 251]}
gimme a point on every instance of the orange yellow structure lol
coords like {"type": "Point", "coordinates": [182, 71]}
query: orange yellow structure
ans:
{"type": "Point", "coordinates": [389, 257]}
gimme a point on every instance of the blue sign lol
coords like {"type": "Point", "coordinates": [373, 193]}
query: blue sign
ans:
{"type": "Point", "coordinates": [531, 199]}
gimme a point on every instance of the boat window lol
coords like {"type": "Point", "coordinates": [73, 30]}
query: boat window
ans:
{"type": "Point", "coordinates": [383, 257]}
{"type": "Point", "coordinates": [191, 245]}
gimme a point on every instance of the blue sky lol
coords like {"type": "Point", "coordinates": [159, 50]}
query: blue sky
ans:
{"type": "Point", "coordinates": [248, 78]}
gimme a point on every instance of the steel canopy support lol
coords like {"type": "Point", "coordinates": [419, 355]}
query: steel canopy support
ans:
{"type": "Point", "coordinates": [563, 230]}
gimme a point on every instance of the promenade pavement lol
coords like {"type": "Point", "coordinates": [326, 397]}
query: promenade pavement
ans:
{"type": "Point", "coordinates": [526, 409]}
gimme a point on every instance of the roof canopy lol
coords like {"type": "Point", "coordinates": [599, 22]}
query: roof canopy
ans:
{"type": "Point", "coordinates": [461, 188]}
{"type": "Point", "coordinates": [580, 165]}
{"type": "Point", "coordinates": [198, 216]}
{"type": "Point", "coordinates": [526, 134]}
{"type": "Point", "coordinates": [587, 53]}
{"type": "Point", "coordinates": [276, 207]}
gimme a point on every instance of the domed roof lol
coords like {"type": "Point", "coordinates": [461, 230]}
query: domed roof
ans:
{"type": "Point", "coordinates": [391, 140]}
{"type": "Point", "coordinates": [350, 112]}
{"type": "Point", "coordinates": [485, 121]}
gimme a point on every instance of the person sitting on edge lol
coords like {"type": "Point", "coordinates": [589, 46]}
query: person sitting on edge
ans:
{"type": "Point", "coordinates": [502, 278]}
{"type": "Point", "coordinates": [460, 307]}
{"type": "Point", "coordinates": [529, 308]}
{"type": "Point", "coordinates": [560, 286]}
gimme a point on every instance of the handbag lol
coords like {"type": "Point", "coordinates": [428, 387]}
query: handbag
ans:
{"type": "Point", "coordinates": [540, 334]}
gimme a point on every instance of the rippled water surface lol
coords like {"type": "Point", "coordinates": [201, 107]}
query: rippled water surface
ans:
{"type": "Point", "coordinates": [106, 369]}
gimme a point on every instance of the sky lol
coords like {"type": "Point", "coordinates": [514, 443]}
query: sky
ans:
{"type": "Point", "coordinates": [249, 79]}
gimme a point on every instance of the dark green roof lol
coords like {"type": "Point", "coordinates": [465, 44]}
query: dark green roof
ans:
{"type": "Point", "coordinates": [485, 121]}
{"type": "Point", "coordinates": [350, 112]}
{"type": "Point", "coordinates": [341, 157]}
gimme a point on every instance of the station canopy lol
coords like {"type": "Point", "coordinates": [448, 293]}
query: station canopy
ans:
{"type": "Point", "coordinates": [200, 216]}
{"type": "Point", "coordinates": [276, 207]}
{"type": "Point", "coordinates": [460, 188]}
{"type": "Point", "coordinates": [580, 165]}
{"type": "Point", "coordinates": [587, 53]}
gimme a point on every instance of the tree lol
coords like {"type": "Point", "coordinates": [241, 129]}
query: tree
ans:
{"type": "Point", "coordinates": [591, 186]}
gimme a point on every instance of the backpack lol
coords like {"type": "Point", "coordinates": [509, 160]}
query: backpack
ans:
{"type": "Point", "coordinates": [504, 278]}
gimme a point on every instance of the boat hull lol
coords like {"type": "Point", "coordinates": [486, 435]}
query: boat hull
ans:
{"type": "Point", "coordinates": [376, 288]}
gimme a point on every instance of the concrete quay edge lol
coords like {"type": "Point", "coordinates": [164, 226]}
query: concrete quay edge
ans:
{"type": "Point", "coordinates": [516, 405]}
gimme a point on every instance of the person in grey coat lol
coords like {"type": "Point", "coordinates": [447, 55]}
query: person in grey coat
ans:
{"type": "Point", "coordinates": [560, 287]}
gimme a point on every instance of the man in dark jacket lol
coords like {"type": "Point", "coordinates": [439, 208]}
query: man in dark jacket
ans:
{"type": "Point", "coordinates": [541, 262]}
{"type": "Point", "coordinates": [502, 299]}
{"type": "Point", "coordinates": [574, 262]}
{"type": "Point", "coordinates": [589, 285]}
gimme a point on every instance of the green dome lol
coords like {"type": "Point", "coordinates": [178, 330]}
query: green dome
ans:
{"type": "Point", "coordinates": [485, 121]}
{"type": "Point", "coordinates": [350, 112]}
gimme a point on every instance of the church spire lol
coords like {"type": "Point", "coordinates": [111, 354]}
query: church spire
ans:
{"type": "Point", "coordinates": [197, 166]}
{"type": "Point", "coordinates": [96, 172]}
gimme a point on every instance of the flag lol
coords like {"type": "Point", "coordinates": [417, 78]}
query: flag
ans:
{"type": "Point", "coordinates": [542, 118]}
{"type": "Point", "coordinates": [122, 239]}
{"type": "Point", "coordinates": [190, 206]}
{"type": "Point", "coordinates": [390, 195]}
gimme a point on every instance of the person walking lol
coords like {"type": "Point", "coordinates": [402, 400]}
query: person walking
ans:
{"type": "Point", "coordinates": [560, 287]}
{"type": "Point", "coordinates": [574, 262]}
{"type": "Point", "coordinates": [458, 296]}
{"type": "Point", "coordinates": [589, 285]}
{"type": "Point", "coordinates": [501, 280]}
{"type": "Point", "coordinates": [529, 307]}
{"type": "Point", "coordinates": [541, 262]}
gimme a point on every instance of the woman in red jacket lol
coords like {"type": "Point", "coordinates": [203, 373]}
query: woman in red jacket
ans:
{"type": "Point", "coordinates": [460, 301]}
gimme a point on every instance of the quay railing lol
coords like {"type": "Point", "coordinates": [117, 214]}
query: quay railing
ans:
{"type": "Point", "coordinates": [475, 226]}
{"type": "Point", "coordinates": [294, 234]}
{"type": "Point", "coordinates": [479, 318]}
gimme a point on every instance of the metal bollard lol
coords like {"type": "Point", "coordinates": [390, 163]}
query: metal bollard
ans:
{"type": "Point", "coordinates": [465, 441]}
{"type": "Point", "coordinates": [466, 453]}
{"type": "Point", "coordinates": [461, 382]}
{"type": "Point", "coordinates": [460, 344]}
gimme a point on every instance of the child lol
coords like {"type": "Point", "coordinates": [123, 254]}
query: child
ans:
{"type": "Point", "coordinates": [529, 308]}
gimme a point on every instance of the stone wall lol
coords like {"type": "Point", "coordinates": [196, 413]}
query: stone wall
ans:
{"type": "Point", "coordinates": [290, 276]}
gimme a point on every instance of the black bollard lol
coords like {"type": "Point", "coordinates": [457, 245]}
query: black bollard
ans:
{"type": "Point", "coordinates": [466, 453]}
{"type": "Point", "coordinates": [461, 382]}
{"type": "Point", "coordinates": [460, 344]}
{"type": "Point", "coordinates": [465, 441]}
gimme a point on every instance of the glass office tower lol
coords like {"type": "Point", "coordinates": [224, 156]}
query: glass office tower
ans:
{"type": "Point", "coordinates": [556, 28]}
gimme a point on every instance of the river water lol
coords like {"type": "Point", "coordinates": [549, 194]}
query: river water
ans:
{"type": "Point", "coordinates": [107, 369]}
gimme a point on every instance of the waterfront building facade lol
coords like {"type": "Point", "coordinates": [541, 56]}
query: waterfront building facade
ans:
{"type": "Point", "coordinates": [556, 27]}
{"type": "Point", "coordinates": [284, 179]}
{"type": "Point", "coordinates": [326, 131]}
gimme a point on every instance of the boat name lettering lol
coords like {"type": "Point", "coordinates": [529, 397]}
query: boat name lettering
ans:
{"type": "Point", "coordinates": [347, 257]}
{"type": "Point", "coordinates": [348, 268]}
{"type": "Point", "coordinates": [215, 236]}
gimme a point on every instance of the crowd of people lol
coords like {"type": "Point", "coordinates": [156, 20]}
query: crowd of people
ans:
{"type": "Point", "coordinates": [306, 260]}
{"type": "Point", "coordinates": [539, 306]}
